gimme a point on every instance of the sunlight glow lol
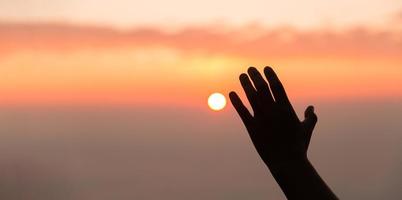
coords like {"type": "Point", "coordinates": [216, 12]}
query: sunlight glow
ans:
{"type": "Point", "coordinates": [216, 101]}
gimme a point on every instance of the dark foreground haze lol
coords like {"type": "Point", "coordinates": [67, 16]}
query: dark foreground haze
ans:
{"type": "Point", "coordinates": [177, 153]}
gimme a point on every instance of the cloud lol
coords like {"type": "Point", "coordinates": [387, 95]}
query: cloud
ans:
{"type": "Point", "coordinates": [250, 41]}
{"type": "Point", "coordinates": [398, 16]}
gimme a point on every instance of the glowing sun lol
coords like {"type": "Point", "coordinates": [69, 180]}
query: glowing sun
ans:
{"type": "Point", "coordinates": [216, 101]}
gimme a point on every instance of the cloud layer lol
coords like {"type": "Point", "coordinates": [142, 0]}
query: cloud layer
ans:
{"type": "Point", "coordinates": [251, 41]}
{"type": "Point", "coordinates": [47, 63]}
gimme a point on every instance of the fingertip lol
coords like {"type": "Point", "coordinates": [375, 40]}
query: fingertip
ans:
{"type": "Point", "coordinates": [310, 109]}
{"type": "Point", "coordinates": [234, 98]}
{"type": "Point", "coordinates": [232, 95]}
{"type": "Point", "coordinates": [268, 69]}
{"type": "Point", "coordinates": [309, 113]}
{"type": "Point", "coordinates": [270, 74]}
{"type": "Point", "coordinates": [252, 70]}
{"type": "Point", "coordinates": [243, 76]}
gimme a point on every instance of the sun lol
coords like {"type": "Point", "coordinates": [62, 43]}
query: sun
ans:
{"type": "Point", "coordinates": [216, 101]}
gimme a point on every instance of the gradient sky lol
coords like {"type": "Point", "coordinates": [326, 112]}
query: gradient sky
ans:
{"type": "Point", "coordinates": [108, 99]}
{"type": "Point", "coordinates": [57, 63]}
{"type": "Point", "coordinates": [71, 51]}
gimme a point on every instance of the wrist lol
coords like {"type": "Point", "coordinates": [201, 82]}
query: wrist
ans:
{"type": "Point", "coordinates": [286, 165]}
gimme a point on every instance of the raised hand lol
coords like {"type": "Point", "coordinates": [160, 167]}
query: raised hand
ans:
{"type": "Point", "coordinates": [276, 131]}
{"type": "Point", "coordinates": [280, 138]}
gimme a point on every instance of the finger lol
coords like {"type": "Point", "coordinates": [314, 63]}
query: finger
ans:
{"type": "Point", "coordinates": [309, 123]}
{"type": "Point", "coordinates": [240, 108]}
{"type": "Point", "coordinates": [278, 91]}
{"type": "Point", "coordinates": [250, 91]}
{"type": "Point", "coordinates": [310, 118]}
{"type": "Point", "coordinates": [261, 85]}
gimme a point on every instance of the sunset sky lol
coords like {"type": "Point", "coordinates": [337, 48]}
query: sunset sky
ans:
{"type": "Point", "coordinates": [124, 13]}
{"type": "Point", "coordinates": [128, 52]}
{"type": "Point", "coordinates": [152, 65]}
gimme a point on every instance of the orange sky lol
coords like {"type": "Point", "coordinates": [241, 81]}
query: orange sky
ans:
{"type": "Point", "coordinates": [178, 52]}
{"type": "Point", "coordinates": [67, 64]}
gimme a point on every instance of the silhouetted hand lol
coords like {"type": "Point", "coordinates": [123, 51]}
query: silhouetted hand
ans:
{"type": "Point", "coordinates": [276, 131]}
{"type": "Point", "coordinates": [280, 138]}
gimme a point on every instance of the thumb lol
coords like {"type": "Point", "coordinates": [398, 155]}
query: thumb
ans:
{"type": "Point", "coordinates": [310, 119]}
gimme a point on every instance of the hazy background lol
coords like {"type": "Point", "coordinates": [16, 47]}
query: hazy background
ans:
{"type": "Point", "coordinates": [108, 99]}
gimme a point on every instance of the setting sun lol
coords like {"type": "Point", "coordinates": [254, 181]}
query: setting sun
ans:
{"type": "Point", "coordinates": [216, 101]}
